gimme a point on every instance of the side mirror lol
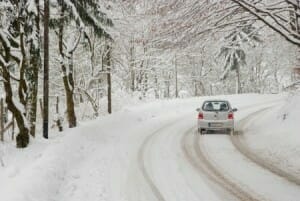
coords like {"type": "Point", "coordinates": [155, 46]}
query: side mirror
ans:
{"type": "Point", "coordinates": [234, 110]}
{"type": "Point", "coordinates": [198, 109]}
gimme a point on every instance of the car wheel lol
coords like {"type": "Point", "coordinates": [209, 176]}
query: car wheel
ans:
{"type": "Point", "coordinates": [202, 131]}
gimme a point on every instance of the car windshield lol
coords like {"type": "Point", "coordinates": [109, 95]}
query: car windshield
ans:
{"type": "Point", "coordinates": [215, 106]}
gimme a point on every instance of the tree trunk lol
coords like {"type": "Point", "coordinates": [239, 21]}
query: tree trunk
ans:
{"type": "Point", "coordinates": [109, 101]}
{"type": "Point", "coordinates": [67, 75]}
{"type": "Point", "coordinates": [107, 66]}
{"type": "Point", "coordinates": [45, 109]}
{"type": "Point", "coordinates": [176, 78]}
{"type": "Point", "coordinates": [131, 64]}
{"type": "Point", "coordinates": [58, 120]}
{"type": "Point", "coordinates": [91, 100]}
{"type": "Point", "coordinates": [70, 104]}
{"type": "Point", "coordinates": [31, 68]}
{"type": "Point", "coordinates": [69, 88]}
{"type": "Point", "coordinates": [1, 120]}
{"type": "Point", "coordinates": [32, 77]}
{"type": "Point", "coordinates": [167, 85]}
{"type": "Point", "coordinates": [202, 88]}
{"type": "Point", "coordinates": [238, 81]}
{"type": "Point", "coordinates": [195, 88]}
{"type": "Point", "coordinates": [145, 83]}
{"type": "Point", "coordinates": [168, 89]}
{"type": "Point", "coordinates": [156, 86]}
{"type": "Point", "coordinates": [22, 136]}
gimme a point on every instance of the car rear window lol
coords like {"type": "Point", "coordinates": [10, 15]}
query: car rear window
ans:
{"type": "Point", "coordinates": [215, 106]}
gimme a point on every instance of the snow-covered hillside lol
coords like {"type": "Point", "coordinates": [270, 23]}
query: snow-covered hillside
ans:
{"type": "Point", "coordinates": [103, 160]}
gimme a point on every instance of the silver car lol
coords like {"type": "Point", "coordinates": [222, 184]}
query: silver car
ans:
{"type": "Point", "coordinates": [216, 115]}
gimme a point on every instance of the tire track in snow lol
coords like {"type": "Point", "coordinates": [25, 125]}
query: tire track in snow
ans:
{"type": "Point", "coordinates": [211, 171]}
{"type": "Point", "coordinates": [142, 166]}
{"type": "Point", "coordinates": [147, 177]}
{"type": "Point", "coordinates": [243, 148]}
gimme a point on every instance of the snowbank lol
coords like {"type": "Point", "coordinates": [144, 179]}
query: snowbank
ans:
{"type": "Point", "coordinates": [275, 133]}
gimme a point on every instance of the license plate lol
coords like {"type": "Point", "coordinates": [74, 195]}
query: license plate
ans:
{"type": "Point", "coordinates": [215, 124]}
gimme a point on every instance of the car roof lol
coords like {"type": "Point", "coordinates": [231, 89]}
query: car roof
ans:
{"type": "Point", "coordinates": [215, 100]}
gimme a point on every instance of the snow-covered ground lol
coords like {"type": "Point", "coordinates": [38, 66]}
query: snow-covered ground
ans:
{"type": "Point", "coordinates": [137, 154]}
{"type": "Point", "coordinates": [278, 131]}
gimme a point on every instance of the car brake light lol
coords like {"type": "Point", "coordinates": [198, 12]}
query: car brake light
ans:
{"type": "Point", "coordinates": [230, 116]}
{"type": "Point", "coordinates": [200, 116]}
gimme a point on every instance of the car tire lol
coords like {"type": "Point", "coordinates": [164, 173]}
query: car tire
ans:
{"type": "Point", "coordinates": [201, 131]}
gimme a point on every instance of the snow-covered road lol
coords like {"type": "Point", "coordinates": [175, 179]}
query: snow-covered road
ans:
{"type": "Point", "coordinates": [146, 153]}
{"type": "Point", "coordinates": [216, 161]}
{"type": "Point", "coordinates": [165, 168]}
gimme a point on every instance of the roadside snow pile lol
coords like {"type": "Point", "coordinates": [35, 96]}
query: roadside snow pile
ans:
{"type": "Point", "coordinates": [274, 133]}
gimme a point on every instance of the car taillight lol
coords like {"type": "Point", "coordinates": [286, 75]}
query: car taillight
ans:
{"type": "Point", "coordinates": [200, 116]}
{"type": "Point", "coordinates": [230, 116]}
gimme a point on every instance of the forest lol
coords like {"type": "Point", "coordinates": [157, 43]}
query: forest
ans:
{"type": "Point", "coordinates": [70, 61]}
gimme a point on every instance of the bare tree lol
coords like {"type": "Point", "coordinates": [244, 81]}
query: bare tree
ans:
{"type": "Point", "coordinates": [282, 16]}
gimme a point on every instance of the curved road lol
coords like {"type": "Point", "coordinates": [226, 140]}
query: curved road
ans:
{"type": "Point", "coordinates": [175, 163]}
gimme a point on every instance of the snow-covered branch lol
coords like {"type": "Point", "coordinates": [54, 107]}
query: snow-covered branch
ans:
{"type": "Point", "coordinates": [282, 24]}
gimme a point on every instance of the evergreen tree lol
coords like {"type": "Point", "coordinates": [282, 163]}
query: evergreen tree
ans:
{"type": "Point", "coordinates": [233, 52]}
